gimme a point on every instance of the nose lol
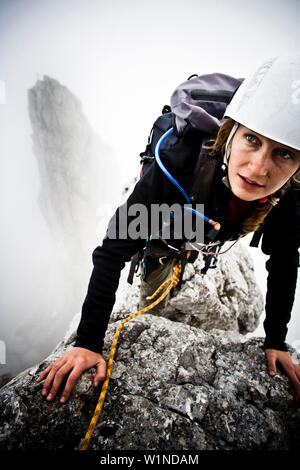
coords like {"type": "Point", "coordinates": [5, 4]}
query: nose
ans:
{"type": "Point", "coordinates": [259, 163]}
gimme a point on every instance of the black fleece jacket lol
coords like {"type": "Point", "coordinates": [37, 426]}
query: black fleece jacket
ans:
{"type": "Point", "coordinates": [281, 240]}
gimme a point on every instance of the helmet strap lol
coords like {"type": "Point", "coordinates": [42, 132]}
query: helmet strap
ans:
{"type": "Point", "coordinates": [227, 146]}
{"type": "Point", "coordinates": [227, 154]}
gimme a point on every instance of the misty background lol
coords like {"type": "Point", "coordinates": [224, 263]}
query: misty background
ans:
{"type": "Point", "coordinates": [107, 69]}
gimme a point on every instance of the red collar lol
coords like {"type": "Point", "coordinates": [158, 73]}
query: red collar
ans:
{"type": "Point", "coordinates": [238, 209]}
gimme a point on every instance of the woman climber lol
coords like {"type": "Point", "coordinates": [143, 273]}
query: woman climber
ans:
{"type": "Point", "coordinates": [234, 146]}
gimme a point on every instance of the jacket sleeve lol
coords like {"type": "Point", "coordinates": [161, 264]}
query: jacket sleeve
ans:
{"type": "Point", "coordinates": [281, 241]}
{"type": "Point", "coordinates": [108, 261]}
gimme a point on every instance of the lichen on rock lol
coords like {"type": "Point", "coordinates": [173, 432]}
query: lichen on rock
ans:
{"type": "Point", "coordinates": [187, 389]}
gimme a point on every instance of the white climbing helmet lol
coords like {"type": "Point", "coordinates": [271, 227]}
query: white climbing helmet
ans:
{"type": "Point", "coordinates": [268, 101]}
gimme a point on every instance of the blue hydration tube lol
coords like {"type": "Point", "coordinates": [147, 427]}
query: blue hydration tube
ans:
{"type": "Point", "coordinates": [163, 168]}
{"type": "Point", "coordinates": [173, 180]}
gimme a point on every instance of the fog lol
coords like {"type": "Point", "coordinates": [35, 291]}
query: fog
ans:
{"type": "Point", "coordinates": [122, 60]}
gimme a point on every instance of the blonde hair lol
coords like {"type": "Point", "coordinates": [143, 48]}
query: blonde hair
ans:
{"type": "Point", "coordinates": [255, 220]}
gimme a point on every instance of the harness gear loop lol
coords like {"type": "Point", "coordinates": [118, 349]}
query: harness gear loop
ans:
{"type": "Point", "coordinates": [172, 281]}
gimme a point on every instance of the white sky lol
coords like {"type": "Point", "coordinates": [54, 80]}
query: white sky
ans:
{"type": "Point", "coordinates": [122, 59]}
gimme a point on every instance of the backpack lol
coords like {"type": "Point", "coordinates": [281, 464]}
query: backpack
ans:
{"type": "Point", "coordinates": [200, 101]}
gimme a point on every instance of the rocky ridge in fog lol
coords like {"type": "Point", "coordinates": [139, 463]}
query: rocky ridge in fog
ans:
{"type": "Point", "coordinates": [76, 174]}
{"type": "Point", "coordinates": [75, 169]}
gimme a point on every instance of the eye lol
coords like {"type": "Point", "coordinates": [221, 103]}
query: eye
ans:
{"type": "Point", "coordinates": [251, 138]}
{"type": "Point", "coordinates": [285, 154]}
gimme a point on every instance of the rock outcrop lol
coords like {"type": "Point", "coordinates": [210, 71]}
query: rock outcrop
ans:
{"type": "Point", "coordinates": [186, 388]}
{"type": "Point", "coordinates": [226, 297]}
{"type": "Point", "coordinates": [189, 377]}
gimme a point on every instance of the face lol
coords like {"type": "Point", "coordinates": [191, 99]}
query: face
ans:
{"type": "Point", "coordinates": [259, 166]}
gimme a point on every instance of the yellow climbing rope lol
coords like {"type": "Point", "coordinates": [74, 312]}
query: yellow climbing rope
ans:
{"type": "Point", "coordinates": [172, 281]}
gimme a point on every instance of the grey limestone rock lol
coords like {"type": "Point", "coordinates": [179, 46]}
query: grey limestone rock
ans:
{"type": "Point", "coordinates": [226, 297]}
{"type": "Point", "coordinates": [173, 386]}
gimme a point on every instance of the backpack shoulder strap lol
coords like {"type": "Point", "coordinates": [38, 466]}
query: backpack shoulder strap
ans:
{"type": "Point", "coordinates": [256, 237]}
{"type": "Point", "coordinates": [204, 172]}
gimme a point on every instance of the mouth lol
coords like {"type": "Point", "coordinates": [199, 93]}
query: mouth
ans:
{"type": "Point", "coordinates": [250, 183]}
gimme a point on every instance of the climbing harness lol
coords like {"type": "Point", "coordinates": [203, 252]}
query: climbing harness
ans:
{"type": "Point", "coordinates": [209, 246]}
{"type": "Point", "coordinates": [172, 281]}
{"type": "Point", "coordinates": [211, 253]}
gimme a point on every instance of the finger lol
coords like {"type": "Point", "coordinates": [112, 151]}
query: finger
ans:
{"type": "Point", "coordinates": [271, 364]}
{"type": "Point", "coordinates": [297, 371]}
{"type": "Point", "coordinates": [53, 368]}
{"type": "Point", "coordinates": [100, 373]}
{"type": "Point", "coordinates": [48, 382]}
{"type": "Point", "coordinates": [297, 395]}
{"type": "Point", "coordinates": [291, 373]}
{"type": "Point", "coordinates": [57, 379]}
{"type": "Point", "coordinates": [44, 373]}
{"type": "Point", "coordinates": [72, 379]}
